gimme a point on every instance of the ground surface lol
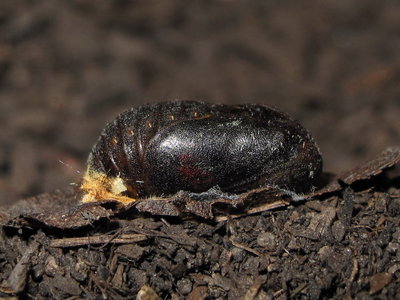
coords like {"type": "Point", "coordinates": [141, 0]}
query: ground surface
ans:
{"type": "Point", "coordinates": [67, 67]}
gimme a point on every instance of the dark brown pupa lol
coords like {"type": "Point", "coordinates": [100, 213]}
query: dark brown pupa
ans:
{"type": "Point", "coordinates": [160, 149]}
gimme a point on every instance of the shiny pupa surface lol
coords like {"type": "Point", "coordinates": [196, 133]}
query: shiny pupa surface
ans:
{"type": "Point", "coordinates": [160, 149]}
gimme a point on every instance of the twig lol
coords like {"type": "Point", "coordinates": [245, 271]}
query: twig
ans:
{"type": "Point", "coordinates": [254, 210]}
{"type": "Point", "coordinates": [126, 238]}
{"type": "Point", "coordinates": [255, 252]}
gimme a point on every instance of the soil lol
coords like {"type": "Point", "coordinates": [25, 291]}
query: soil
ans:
{"type": "Point", "coordinates": [68, 67]}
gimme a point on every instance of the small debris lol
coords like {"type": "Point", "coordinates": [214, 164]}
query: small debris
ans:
{"type": "Point", "coordinates": [17, 279]}
{"type": "Point", "coordinates": [267, 240]}
{"type": "Point", "coordinates": [147, 293]}
{"type": "Point", "coordinates": [379, 281]}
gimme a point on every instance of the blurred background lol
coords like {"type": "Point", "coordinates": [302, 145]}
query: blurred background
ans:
{"type": "Point", "coordinates": [68, 67]}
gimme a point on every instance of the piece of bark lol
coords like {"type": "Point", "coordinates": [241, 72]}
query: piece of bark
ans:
{"type": "Point", "coordinates": [383, 160]}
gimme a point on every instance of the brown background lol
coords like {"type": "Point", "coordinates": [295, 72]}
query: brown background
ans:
{"type": "Point", "coordinates": [68, 67]}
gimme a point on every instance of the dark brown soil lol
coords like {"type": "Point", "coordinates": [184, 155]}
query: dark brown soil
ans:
{"type": "Point", "coordinates": [67, 67]}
